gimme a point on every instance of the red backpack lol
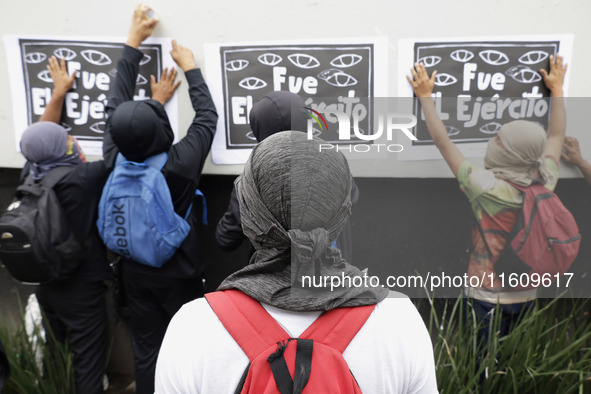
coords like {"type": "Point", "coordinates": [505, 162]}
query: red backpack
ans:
{"type": "Point", "coordinates": [545, 236]}
{"type": "Point", "coordinates": [317, 355]}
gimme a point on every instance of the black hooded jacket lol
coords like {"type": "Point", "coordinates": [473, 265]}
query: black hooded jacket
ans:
{"type": "Point", "coordinates": [274, 112]}
{"type": "Point", "coordinates": [139, 129]}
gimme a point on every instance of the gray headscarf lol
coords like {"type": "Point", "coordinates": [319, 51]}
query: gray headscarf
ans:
{"type": "Point", "coordinates": [294, 200]}
{"type": "Point", "coordinates": [520, 159]}
{"type": "Point", "coordinates": [46, 145]}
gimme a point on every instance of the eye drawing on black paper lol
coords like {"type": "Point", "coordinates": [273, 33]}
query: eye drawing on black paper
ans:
{"type": "Point", "coordinates": [337, 78]}
{"type": "Point", "coordinates": [346, 60]}
{"type": "Point", "coordinates": [303, 60]}
{"type": "Point", "coordinates": [252, 83]}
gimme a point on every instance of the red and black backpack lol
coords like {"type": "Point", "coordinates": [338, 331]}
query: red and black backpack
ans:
{"type": "Point", "coordinates": [312, 363]}
{"type": "Point", "coordinates": [545, 238]}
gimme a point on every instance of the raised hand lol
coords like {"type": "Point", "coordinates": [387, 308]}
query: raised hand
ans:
{"type": "Point", "coordinates": [62, 82]}
{"type": "Point", "coordinates": [555, 79]}
{"type": "Point", "coordinates": [162, 91]}
{"type": "Point", "coordinates": [182, 56]}
{"type": "Point", "coordinates": [421, 83]}
{"type": "Point", "coordinates": [141, 26]}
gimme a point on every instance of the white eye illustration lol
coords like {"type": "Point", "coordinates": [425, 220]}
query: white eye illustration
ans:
{"type": "Point", "coordinates": [523, 74]}
{"type": "Point", "coordinates": [461, 55]}
{"type": "Point", "coordinates": [302, 60]}
{"type": "Point", "coordinates": [252, 83]}
{"type": "Point", "coordinates": [533, 57]}
{"type": "Point", "coordinates": [346, 60]}
{"type": "Point", "coordinates": [493, 57]}
{"type": "Point", "coordinates": [45, 76]}
{"type": "Point", "coordinates": [66, 126]}
{"type": "Point", "coordinates": [444, 79]}
{"type": "Point", "coordinates": [236, 65]}
{"type": "Point", "coordinates": [145, 60]}
{"type": "Point", "coordinates": [113, 72]}
{"type": "Point", "coordinates": [250, 136]}
{"type": "Point", "coordinates": [141, 80]}
{"type": "Point", "coordinates": [64, 53]}
{"type": "Point", "coordinates": [452, 130]}
{"type": "Point", "coordinates": [337, 78]}
{"type": "Point", "coordinates": [95, 57]}
{"type": "Point", "coordinates": [270, 59]}
{"type": "Point", "coordinates": [98, 127]}
{"type": "Point", "coordinates": [491, 128]}
{"type": "Point", "coordinates": [35, 57]}
{"type": "Point", "coordinates": [430, 61]}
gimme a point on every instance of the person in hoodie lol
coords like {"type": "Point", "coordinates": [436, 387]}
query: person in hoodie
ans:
{"type": "Point", "coordinates": [274, 112]}
{"type": "Point", "coordinates": [139, 129]}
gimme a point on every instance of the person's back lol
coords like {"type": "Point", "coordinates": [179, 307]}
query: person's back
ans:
{"type": "Point", "coordinates": [74, 308]}
{"type": "Point", "coordinates": [520, 154]}
{"type": "Point", "coordinates": [292, 214]}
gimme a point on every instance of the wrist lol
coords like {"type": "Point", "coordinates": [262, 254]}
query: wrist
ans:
{"type": "Point", "coordinates": [134, 41]}
{"type": "Point", "coordinates": [59, 93]}
{"type": "Point", "coordinates": [161, 100]}
{"type": "Point", "coordinates": [557, 92]}
{"type": "Point", "coordinates": [188, 67]}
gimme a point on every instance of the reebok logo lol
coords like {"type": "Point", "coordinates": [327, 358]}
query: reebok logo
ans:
{"type": "Point", "coordinates": [121, 232]}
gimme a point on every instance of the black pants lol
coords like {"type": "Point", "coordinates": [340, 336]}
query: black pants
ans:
{"type": "Point", "coordinates": [77, 312]}
{"type": "Point", "coordinates": [152, 303]}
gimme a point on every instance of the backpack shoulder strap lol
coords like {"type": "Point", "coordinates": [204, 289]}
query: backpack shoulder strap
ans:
{"type": "Point", "coordinates": [55, 175]}
{"type": "Point", "coordinates": [339, 326]}
{"type": "Point", "coordinates": [156, 161]}
{"type": "Point", "coordinates": [246, 321]}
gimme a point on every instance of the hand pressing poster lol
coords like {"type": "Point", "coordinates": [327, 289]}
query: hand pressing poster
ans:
{"type": "Point", "coordinates": [95, 61]}
{"type": "Point", "coordinates": [344, 71]}
{"type": "Point", "coordinates": [480, 85]}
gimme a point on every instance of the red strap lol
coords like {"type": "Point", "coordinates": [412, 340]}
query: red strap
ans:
{"type": "Point", "coordinates": [255, 330]}
{"type": "Point", "coordinates": [247, 321]}
{"type": "Point", "coordinates": [339, 326]}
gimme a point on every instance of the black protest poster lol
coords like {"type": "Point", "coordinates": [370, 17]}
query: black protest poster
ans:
{"type": "Point", "coordinates": [84, 107]}
{"type": "Point", "coordinates": [480, 86]}
{"type": "Point", "coordinates": [342, 73]}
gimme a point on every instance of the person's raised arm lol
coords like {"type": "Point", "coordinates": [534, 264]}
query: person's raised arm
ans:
{"type": "Point", "coordinates": [423, 86]}
{"type": "Point", "coordinates": [62, 83]}
{"type": "Point", "coordinates": [128, 65]}
{"type": "Point", "coordinates": [187, 157]}
{"type": "Point", "coordinates": [572, 155]}
{"type": "Point", "coordinates": [128, 68]}
{"type": "Point", "coordinates": [557, 122]}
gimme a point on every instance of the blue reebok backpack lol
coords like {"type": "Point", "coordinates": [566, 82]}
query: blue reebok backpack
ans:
{"type": "Point", "coordinates": [136, 217]}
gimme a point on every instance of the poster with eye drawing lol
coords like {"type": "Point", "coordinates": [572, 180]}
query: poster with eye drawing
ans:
{"type": "Point", "coordinates": [334, 72]}
{"type": "Point", "coordinates": [95, 61]}
{"type": "Point", "coordinates": [480, 85]}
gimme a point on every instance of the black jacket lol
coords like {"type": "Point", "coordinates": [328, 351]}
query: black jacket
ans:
{"type": "Point", "coordinates": [79, 193]}
{"type": "Point", "coordinates": [146, 132]}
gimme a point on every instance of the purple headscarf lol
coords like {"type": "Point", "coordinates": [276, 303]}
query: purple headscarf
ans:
{"type": "Point", "coordinates": [47, 145]}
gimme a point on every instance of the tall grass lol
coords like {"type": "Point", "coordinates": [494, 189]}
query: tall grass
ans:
{"type": "Point", "coordinates": [549, 351]}
{"type": "Point", "coordinates": [56, 376]}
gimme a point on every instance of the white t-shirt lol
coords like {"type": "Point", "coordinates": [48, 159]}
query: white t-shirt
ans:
{"type": "Point", "coordinates": [392, 353]}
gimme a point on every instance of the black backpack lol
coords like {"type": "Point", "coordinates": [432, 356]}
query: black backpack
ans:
{"type": "Point", "coordinates": [36, 243]}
